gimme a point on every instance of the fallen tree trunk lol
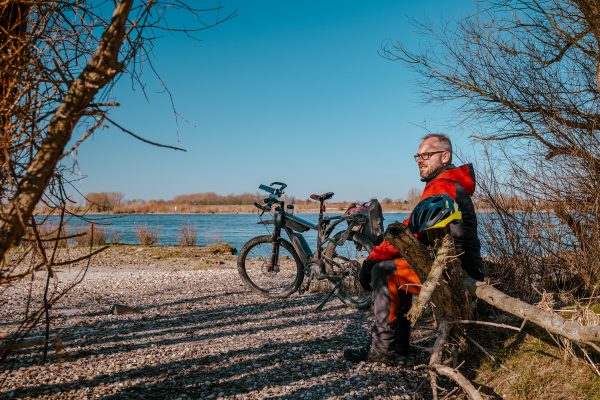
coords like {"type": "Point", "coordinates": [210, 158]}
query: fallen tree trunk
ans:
{"type": "Point", "coordinates": [548, 320]}
{"type": "Point", "coordinates": [449, 291]}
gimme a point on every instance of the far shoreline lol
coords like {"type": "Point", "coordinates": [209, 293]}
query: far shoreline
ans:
{"type": "Point", "coordinates": [303, 212]}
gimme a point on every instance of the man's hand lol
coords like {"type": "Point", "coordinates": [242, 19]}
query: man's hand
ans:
{"type": "Point", "coordinates": [364, 276]}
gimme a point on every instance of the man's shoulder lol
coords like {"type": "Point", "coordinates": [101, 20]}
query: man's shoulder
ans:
{"type": "Point", "coordinates": [440, 186]}
{"type": "Point", "coordinates": [463, 176]}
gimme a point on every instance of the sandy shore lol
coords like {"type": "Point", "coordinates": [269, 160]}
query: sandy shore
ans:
{"type": "Point", "coordinates": [200, 334]}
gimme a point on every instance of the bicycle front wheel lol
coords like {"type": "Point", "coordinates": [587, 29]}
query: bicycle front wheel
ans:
{"type": "Point", "coordinates": [343, 260]}
{"type": "Point", "coordinates": [271, 269]}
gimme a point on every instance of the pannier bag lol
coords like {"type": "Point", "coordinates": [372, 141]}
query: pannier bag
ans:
{"type": "Point", "coordinates": [373, 228]}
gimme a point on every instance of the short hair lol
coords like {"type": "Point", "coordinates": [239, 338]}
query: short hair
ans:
{"type": "Point", "coordinates": [443, 139]}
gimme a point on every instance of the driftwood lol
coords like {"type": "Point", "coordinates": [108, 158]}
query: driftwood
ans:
{"type": "Point", "coordinates": [449, 292]}
{"type": "Point", "coordinates": [548, 320]}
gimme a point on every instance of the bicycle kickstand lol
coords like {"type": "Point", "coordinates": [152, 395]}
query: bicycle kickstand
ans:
{"type": "Point", "coordinates": [329, 296]}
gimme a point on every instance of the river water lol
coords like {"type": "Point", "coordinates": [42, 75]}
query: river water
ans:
{"type": "Point", "coordinates": [235, 229]}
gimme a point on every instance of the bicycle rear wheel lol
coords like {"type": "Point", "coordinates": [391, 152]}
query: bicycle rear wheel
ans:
{"type": "Point", "coordinates": [257, 270]}
{"type": "Point", "coordinates": [344, 260]}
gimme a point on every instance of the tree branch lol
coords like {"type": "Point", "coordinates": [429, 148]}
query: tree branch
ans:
{"type": "Point", "coordinates": [101, 69]}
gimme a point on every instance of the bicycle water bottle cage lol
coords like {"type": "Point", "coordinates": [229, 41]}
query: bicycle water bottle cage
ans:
{"type": "Point", "coordinates": [321, 197]}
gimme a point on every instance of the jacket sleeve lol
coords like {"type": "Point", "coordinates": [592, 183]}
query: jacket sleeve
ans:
{"type": "Point", "coordinates": [383, 251]}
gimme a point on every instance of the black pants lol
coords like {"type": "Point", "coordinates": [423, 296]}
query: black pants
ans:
{"type": "Point", "coordinates": [390, 305]}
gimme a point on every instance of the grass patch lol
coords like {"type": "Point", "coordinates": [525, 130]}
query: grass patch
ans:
{"type": "Point", "coordinates": [166, 252]}
{"type": "Point", "coordinates": [529, 366]}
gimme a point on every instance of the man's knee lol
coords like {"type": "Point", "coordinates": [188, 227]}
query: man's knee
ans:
{"type": "Point", "coordinates": [383, 269]}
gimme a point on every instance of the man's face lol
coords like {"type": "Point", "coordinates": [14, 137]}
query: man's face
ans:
{"type": "Point", "coordinates": [435, 161]}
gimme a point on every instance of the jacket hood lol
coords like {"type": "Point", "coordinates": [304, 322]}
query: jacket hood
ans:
{"type": "Point", "coordinates": [464, 175]}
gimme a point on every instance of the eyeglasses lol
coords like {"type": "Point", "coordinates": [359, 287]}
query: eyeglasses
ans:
{"type": "Point", "coordinates": [427, 155]}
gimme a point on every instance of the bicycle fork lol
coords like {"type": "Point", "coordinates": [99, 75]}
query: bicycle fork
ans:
{"type": "Point", "coordinates": [274, 265]}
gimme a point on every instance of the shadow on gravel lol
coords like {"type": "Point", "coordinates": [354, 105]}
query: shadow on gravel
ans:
{"type": "Point", "coordinates": [139, 332]}
{"type": "Point", "coordinates": [69, 310]}
{"type": "Point", "coordinates": [292, 368]}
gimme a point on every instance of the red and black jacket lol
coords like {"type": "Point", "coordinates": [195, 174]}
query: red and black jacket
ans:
{"type": "Point", "coordinates": [458, 183]}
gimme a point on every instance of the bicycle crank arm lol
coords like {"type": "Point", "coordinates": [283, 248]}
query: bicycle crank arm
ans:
{"type": "Point", "coordinates": [304, 287]}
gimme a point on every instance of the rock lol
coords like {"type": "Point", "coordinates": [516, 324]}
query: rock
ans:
{"type": "Point", "coordinates": [221, 248]}
{"type": "Point", "coordinates": [120, 309]}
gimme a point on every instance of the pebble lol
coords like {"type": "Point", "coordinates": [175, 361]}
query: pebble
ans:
{"type": "Point", "coordinates": [242, 345]}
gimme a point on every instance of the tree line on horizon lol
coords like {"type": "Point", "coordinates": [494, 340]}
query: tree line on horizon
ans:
{"type": "Point", "coordinates": [117, 202]}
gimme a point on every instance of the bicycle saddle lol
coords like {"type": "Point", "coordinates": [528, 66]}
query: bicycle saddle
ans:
{"type": "Point", "coordinates": [322, 197]}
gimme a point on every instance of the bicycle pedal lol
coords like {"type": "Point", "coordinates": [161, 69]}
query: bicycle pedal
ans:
{"type": "Point", "coordinates": [302, 289]}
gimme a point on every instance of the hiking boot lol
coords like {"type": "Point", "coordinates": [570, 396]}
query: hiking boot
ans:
{"type": "Point", "coordinates": [402, 337]}
{"type": "Point", "coordinates": [402, 348]}
{"type": "Point", "coordinates": [368, 355]}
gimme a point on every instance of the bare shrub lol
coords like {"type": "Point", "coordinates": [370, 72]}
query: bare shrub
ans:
{"type": "Point", "coordinates": [104, 201]}
{"type": "Point", "coordinates": [413, 196]}
{"type": "Point", "coordinates": [211, 198]}
{"type": "Point", "coordinates": [91, 234]}
{"type": "Point", "coordinates": [532, 248]}
{"type": "Point", "coordinates": [51, 233]}
{"type": "Point", "coordinates": [213, 238]}
{"type": "Point", "coordinates": [146, 235]}
{"type": "Point", "coordinates": [115, 237]}
{"type": "Point", "coordinates": [527, 75]}
{"type": "Point", "coordinates": [188, 235]}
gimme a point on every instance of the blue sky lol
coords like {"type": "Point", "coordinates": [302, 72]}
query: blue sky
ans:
{"type": "Point", "coordinates": [294, 91]}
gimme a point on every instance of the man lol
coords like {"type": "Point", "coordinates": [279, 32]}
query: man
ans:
{"type": "Point", "coordinates": [389, 275]}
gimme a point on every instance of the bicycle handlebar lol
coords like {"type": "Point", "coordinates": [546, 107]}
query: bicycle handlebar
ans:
{"type": "Point", "coordinates": [268, 202]}
{"type": "Point", "coordinates": [281, 186]}
{"type": "Point", "coordinates": [275, 192]}
{"type": "Point", "coordinates": [267, 189]}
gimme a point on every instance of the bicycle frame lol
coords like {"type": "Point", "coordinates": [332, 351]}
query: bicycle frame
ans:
{"type": "Point", "coordinates": [284, 221]}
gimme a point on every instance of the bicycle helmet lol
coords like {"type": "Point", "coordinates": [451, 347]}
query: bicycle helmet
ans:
{"type": "Point", "coordinates": [434, 212]}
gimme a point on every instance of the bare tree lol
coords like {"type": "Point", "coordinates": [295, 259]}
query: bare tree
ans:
{"type": "Point", "coordinates": [58, 61]}
{"type": "Point", "coordinates": [104, 201]}
{"type": "Point", "coordinates": [413, 196]}
{"type": "Point", "coordinates": [526, 73]}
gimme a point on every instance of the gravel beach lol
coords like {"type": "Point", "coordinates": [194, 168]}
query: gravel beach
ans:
{"type": "Point", "coordinates": [199, 333]}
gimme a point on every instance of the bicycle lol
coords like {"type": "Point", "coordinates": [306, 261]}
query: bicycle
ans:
{"type": "Point", "coordinates": [275, 267]}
